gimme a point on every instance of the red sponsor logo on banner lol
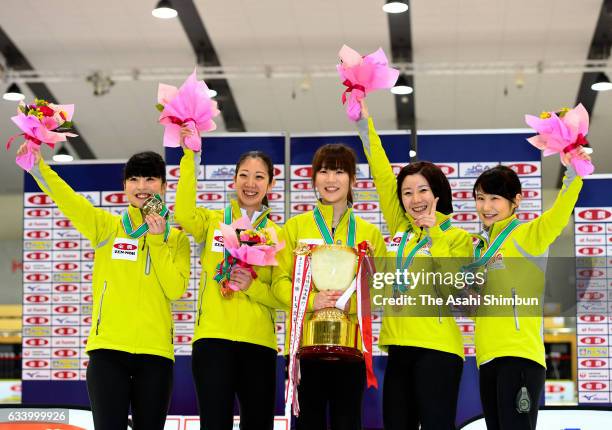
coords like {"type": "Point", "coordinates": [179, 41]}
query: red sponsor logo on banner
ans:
{"type": "Point", "coordinates": [38, 213]}
{"type": "Point", "coordinates": [465, 217]}
{"type": "Point", "coordinates": [275, 196]}
{"type": "Point", "coordinates": [66, 266]}
{"type": "Point", "coordinates": [594, 386]}
{"type": "Point", "coordinates": [182, 317]}
{"type": "Point", "coordinates": [37, 320]}
{"type": "Point", "coordinates": [590, 250]}
{"type": "Point", "coordinates": [187, 295]}
{"type": "Point", "coordinates": [591, 295]}
{"type": "Point", "coordinates": [469, 350]}
{"type": "Point", "coordinates": [592, 363]}
{"type": "Point", "coordinates": [182, 339]}
{"type": "Point", "coordinates": [36, 342]}
{"type": "Point", "coordinates": [365, 206]}
{"type": "Point", "coordinates": [446, 169]}
{"type": "Point", "coordinates": [530, 194]}
{"type": "Point", "coordinates": [65, 309]}
{"type": "Point", "coordinates": [590, 228]}
{"type": "Point", "coordinates": [37, 299]}
{"type": "Point", "coordinates": [65, 331]}
{"type": "Point", "coordinates": [89, 255]}
{"type": "Point", "coordinates": [37, 277]}
{"type": "Point", "coordinates": [116, 198]}
{"type": "Point", "coordinates": [88, 298]}
{"type": "Point", "coordinates": [276, 217]}
{"type": "Point", "coordinates": [552, 388]}
{"type": "Point", "coordinates": [364, 185]}
{"type": "Point", "coordinates": [302, 186]}
{"type": "Point", "coordinates": [210, 197]}
{"type": "Point", "coordinates": [87, 320]}
{"type": "Point", "coordinates": [592, 318]}
{"type": "Point", "coordinates": [592, 340]}
{"type": "Point", "coordinates": [65, 353]}
{"type": "Point", "coordinates": [66, 244]}
{"type": "Point", "coordinates": [231, 185]}
{"type": "Point", "coordinates": [396, 168]}
{"type": "Point", "coordinates": [37, 234]}
{"type": "Point", "coordinates": [88, 277]}
{"type": "Point", "coordinates": [36, 364]}
{"type": "Point", "coordinates": [175, 172]}
{"type": "Point", "coordinates": [38, 256]}
{"type": "Point", "coordinates": [40, 199]}
{"type": "Point", "coordinates": [523, 168]}
{"type": "Point", "coordinates": [125, 246]}
{"type": "Point", "coordinates": [592, 273]}
{"type": "Point", "coordinates": [277, 171]}
{"type": "Point", "coordinates": [303, 207]}
{"type": "Point", "coordinates": [462, 195]}
{"type": "Point", "coordinates": [304, 172]}
{"type": "Point", "coordinates": [172, 186]}
{"type": "Point", "coordinates": [527, 216]}
{"type": "Point", "coordinates": [65, 374]}
{"type": "Point", "coordinates": [63, 223]}
{"type": "Point", "coordinates": [594, 214]}
{"type": "Point", "coordinates": [466, 328]}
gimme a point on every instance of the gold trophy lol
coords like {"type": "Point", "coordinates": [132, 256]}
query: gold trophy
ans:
{"type": "Point", "coordinates": [330, 334]}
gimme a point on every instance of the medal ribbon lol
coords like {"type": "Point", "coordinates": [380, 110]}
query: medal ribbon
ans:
{"type": "Point", "coordinates": [325, 233]}
{"type": "Point", "coordinates": [135, 233]}
{"type": "Point", "coordinates": [492, 250]}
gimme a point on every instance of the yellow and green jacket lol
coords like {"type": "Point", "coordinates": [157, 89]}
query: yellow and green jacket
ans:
{"type": "Point", "coordinates": [248, 316]}
{"type": "Point", "coordinates": [131, 298]}
{"type": "Point", "coordinates": [302, 229]}
{"type": "Point", "coordinates": [423, 326]}
{"type": "Point", "coordinates": [517, 270]}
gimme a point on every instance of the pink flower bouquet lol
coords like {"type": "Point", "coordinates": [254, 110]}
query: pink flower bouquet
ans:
{"type": "Point", "coordinates": [188, 105]}
{"type": "Point", "coordinates": [41, 122]}
{"type": "Point", "coordinates": [362, 75]}
{"type": "Point", "coordinates": [562, 132]}
{"type": "Point", "coordinates": [247, 247]}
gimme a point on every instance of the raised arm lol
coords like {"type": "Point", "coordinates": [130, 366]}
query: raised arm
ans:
{"type": "Point", "coordinates": [382, 172]}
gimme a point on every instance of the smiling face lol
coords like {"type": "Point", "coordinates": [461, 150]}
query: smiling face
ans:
{"type": "Point", "coordinates": [417, 196]}
{"type": "Point", "coordinates": [139, 188]}
{"type": "Point", "coordinates": [492, 208]}
{"type": "Point", "coordinates": [252, 183]}
{"type": "Point", "coordinates": [333, 185]}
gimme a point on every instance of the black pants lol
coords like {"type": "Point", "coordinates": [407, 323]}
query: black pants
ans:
{"type": "Point", "coordinates": [117, 379]}
{"type": "Point", "coordinates": [421, 386]}
{"type": "Point", "coordinates": [337, 384]}
{"type": "Point", "coordinates": [222, 370]}
{"type": "Point", "coordinates": [500, 381]}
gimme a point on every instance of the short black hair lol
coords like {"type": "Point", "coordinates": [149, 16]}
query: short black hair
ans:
{"type": "Point", "coordinates": [435, 178]}
{"type": "Point", "coordinates": [499, 180]}
{"type": "Point", "coordinates": [145, 164]}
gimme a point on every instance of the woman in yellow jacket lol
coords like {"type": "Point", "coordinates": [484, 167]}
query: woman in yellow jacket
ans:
{"type": "Point", "coordinates": [337, 384]}
{"type": "Point", "coordinates": [234, 349]}
{"type": "Point", "coordinates": [140, 266]}
{"type": "Point", "coordinates": [424, 343]}
{"type": "Point", "coordinates": [508, 335]}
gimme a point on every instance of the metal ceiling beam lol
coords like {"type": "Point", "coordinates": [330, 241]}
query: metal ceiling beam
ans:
{"type": "Point", "coordinates": [207, 56]}
{"type": "Point", "coordinates": [400, 32]}
{"type": "Point", "coordinates": [17, 61]}
{"type": "Point", "coordinates": [599, 51]}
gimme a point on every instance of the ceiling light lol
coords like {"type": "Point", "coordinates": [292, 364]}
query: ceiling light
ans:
{"type": "Point", "coordinates": [412, 153]}
{"type": "Point", "coordinates": [401, 86]}
{"type": "Point", "coordinates": [602, 83]}
{"type": "Point", "coordinates": [62, 155]}
{"type": "Point", "coordinates": [164, 10]}
{"type": "Point", "coordinates": [211, 93]}
{"type": "Point", "coordinates": [13, 93]}
{"type": "Point", "coordinates": [394, 6]}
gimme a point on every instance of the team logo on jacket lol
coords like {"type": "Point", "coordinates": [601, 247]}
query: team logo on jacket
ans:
{"type": "Point", "coordinates": [125, 249]}
{"type": "Point", "coordinates": [217, 242]}
{"type": "Point", "coordinates": [497, 262]}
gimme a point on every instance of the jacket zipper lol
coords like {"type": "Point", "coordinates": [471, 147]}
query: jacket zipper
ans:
{"type": "Point", "coordinates": [100, 309]}
{"type": "Point", "coordinates": [148, 263]}
{"type": "Point", "coordinates": [200, 299]}
{"type": "Point", "coordinates": [516, 320]}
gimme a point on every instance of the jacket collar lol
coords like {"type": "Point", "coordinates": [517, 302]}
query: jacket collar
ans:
{"type": "Point", "coordinates": [493, 231]}
{"type": "Point", "coordinates": [328, 215]}
{"type": "Point", "coordinates": [237, 213]}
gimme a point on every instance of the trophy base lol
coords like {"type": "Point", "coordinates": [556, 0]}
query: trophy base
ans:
{"type": "Point", "coordinates": [330, 353]}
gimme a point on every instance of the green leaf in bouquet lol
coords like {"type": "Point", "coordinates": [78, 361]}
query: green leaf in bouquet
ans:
{"type": "Point", "coordinates": [159, 107]}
